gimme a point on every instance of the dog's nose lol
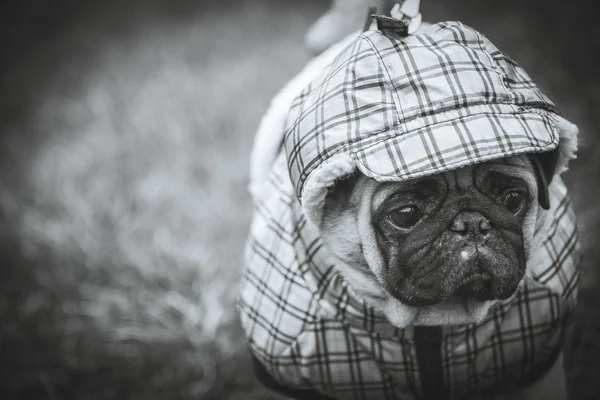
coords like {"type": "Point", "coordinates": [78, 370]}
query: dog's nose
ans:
{"type": "Point", "coordinates": [470, 222]}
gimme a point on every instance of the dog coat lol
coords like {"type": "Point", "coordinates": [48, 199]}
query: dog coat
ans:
{"type": "Point", "coordinates": [397, 107]}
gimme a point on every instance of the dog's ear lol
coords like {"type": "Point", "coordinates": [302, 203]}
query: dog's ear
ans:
{"type": "Point", "coordinates": [544, 166]}
{"type": "Point", "coordinates": [567, 145]}
{"type": "Point", "coordinates": [555, 162]}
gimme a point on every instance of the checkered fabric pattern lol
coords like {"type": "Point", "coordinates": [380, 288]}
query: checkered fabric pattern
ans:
{"type": "Point", "coordinates": [308, 330]}
{"type": "Point", "coordinates": [404, 107]}
{"type": "Point", "coordinates": [400, 108]}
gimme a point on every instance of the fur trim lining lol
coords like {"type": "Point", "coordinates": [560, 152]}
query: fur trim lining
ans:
{"type": "Point", "coordinates": [319, 181]}
{"type": "Point", "coordinates": [271, 129]}
{"type": "Point", "coordinates": [567, 144]}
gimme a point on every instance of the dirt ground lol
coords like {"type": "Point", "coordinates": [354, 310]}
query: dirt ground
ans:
{"type": "Point", "coordinates": [125, 129]}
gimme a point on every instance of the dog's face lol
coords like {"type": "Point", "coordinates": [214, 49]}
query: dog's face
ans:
{"type": "Point", "coordinates": [439, 249]}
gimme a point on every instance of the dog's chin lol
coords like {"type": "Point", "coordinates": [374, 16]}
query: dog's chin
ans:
{"type": "Point", "coordinates": [456, 311]}
{"type": "Point", "coordinates": [470, 304]}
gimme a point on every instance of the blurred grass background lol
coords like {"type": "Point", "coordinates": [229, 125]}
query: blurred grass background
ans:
{"type": "Point", "coordinates": [125, 130]}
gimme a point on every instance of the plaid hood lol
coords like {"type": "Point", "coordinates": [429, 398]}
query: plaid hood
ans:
{"type": "Point", "coordinates": [399, 107]}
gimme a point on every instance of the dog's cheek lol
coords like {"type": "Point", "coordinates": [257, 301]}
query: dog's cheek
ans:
{"type": "Point", "coordinates": [531, 223]}
{"type": "Point", "coordinates": [339, 234]}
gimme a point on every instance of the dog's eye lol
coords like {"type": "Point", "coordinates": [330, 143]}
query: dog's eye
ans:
{"type": "Point", "coordinates": [514, 201]}
{"type": "Point", "coordinates": [405, 217]}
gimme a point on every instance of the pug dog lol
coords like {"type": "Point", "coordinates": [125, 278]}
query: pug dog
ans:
{"type": "Point", "coordinates": [443, 247]}
{"type": "Point", "coordinates": [411, 236]}
{"type": "Point", "coordinates": [442, 250]}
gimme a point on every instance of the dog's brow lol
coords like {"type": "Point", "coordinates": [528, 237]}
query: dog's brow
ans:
{"type": "Point", "coordinates": [503, 180]}
{"type": "Point", "coordinates": [389, 193]}
{"type": "Point", "coordinates": [518, 160]}
{"type": "Point", "coordinates": [413, 186]}
{"type": "Point", "coordinates": [508, 169]}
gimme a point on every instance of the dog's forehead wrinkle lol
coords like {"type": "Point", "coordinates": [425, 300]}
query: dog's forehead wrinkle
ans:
{"type": "Point", "coordinates": [523, 172]}
{"type": "Point", "coordinates": [385, 190]}
{"type": "Point", "coordinates": [450, 178]}
{"type": "Point", "coordinates": [520, 159]}
{"type": "Point", "coordinates": [459, 179]}
{"type": "Point", "coordinates": [516, 166]}
{"type": "Point", "coordinates": [464, 178]}
{"type": "Point", "coordinates": [506, 169]}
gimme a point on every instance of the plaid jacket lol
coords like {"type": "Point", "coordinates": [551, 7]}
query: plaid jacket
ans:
{"type": "Point", "coordinates": [396, 108]}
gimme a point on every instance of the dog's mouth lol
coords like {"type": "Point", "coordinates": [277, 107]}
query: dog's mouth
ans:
{"type": "Point", "coordinates": [480, 286]}
{"type": "Point", "coordinates": [472, 274]}
{"type": "Point", "coordinates": [490, 275]}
